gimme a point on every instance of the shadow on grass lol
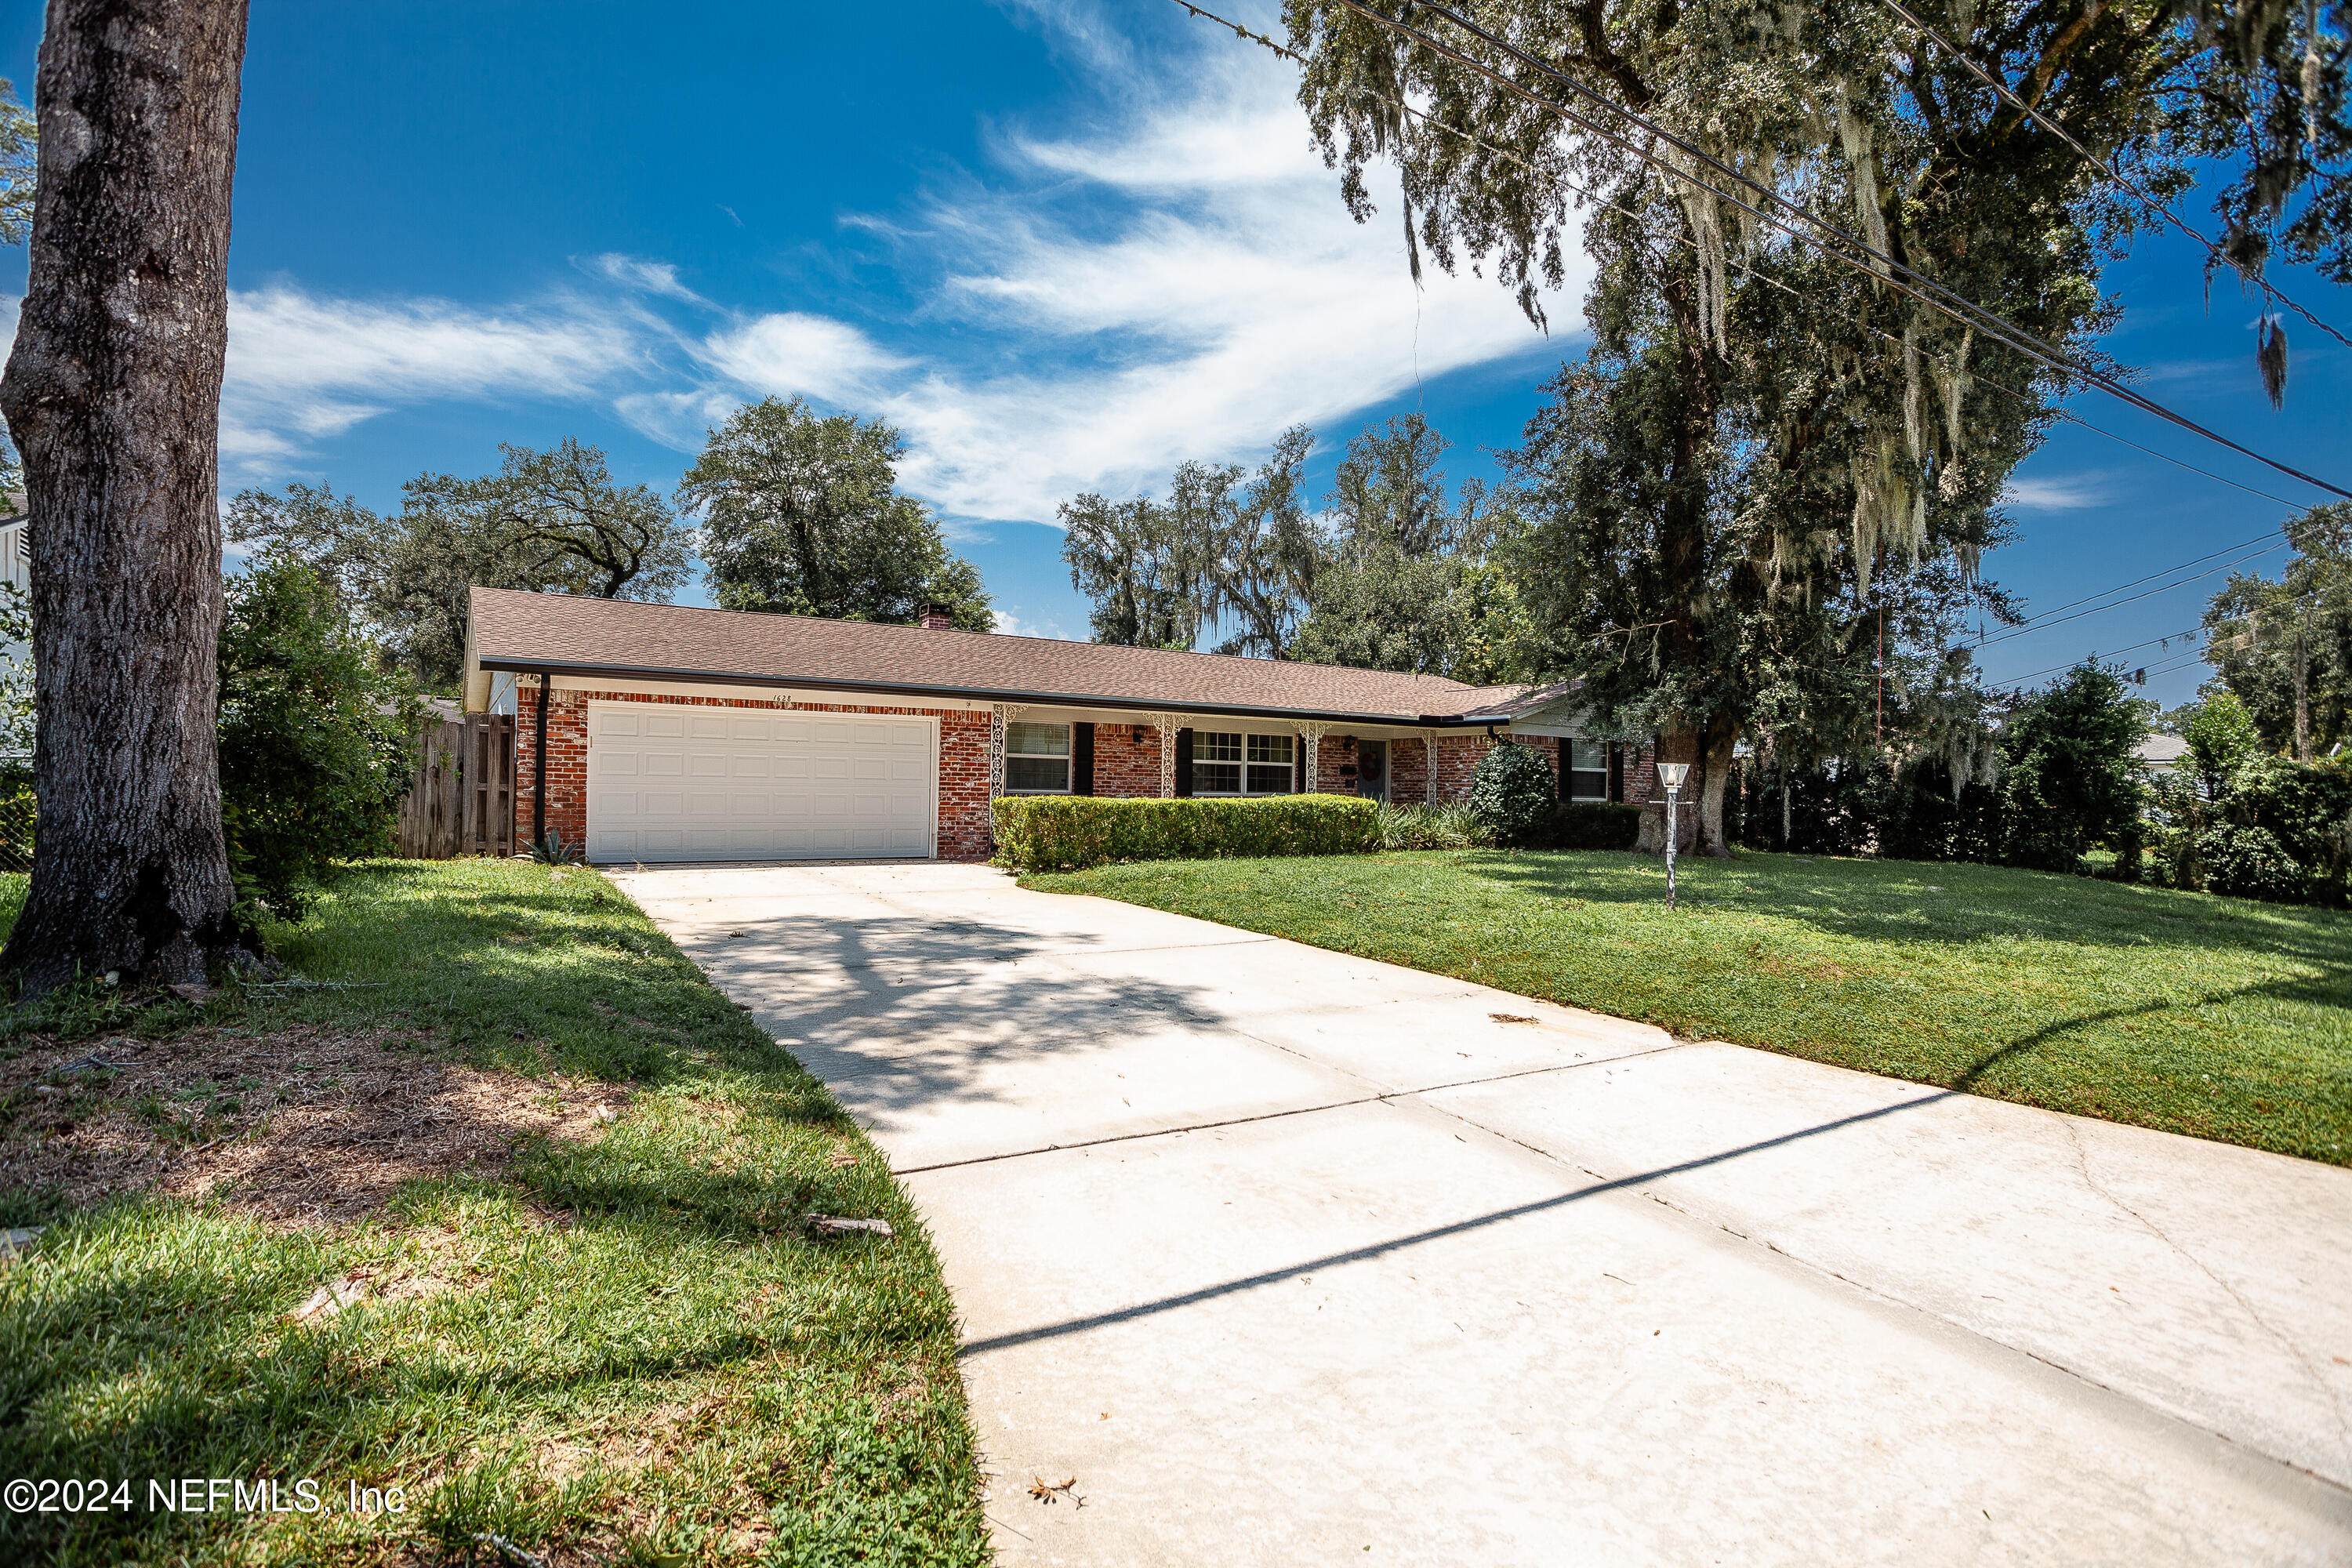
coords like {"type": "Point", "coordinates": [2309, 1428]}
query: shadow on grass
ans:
{"type": "Point", "coordinates": [136, 1286]}
{"type": "Point", "coordinates": [1939, 901]}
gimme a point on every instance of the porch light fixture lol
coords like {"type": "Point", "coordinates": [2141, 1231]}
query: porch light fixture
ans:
{"type": "Point", "coordinates": [1671, 775]}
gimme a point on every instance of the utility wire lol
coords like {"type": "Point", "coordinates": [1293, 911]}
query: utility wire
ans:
{"type": "Point", "coordinates": [2060, 620]}
{"type": "Point", "coordinates": [1867, 259]}
{"type": "Point", "coordinates": [1683, 241]}
{"type": "Point", "coordinates": [2183, 567]}
{"type": "Point", "coordinates": [2107, 167]}
{"type": "Point", "coordinates": [2133, 647]}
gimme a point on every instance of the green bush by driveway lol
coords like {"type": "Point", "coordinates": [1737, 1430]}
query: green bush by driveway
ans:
{"type": "Point", "coordinates": [1065, 831]}
{"type": "Point", "coordinates": [2211, 1016]}
{"type": "Point", "coordinates": [624, 1343]}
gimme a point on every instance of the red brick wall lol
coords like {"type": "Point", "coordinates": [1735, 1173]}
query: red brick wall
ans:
{"type": "Point", "coordinates": [1641, 775]}
{"type": "Point", "coordinates": [1331, 754]}
{"type": "Point", "coordinates": [966, 832]}
{"type": "Point", "coordinates": [963, 825]}
{"type": "Point", "coordinates": [567, 763]}
{"type": "Point", "coordinates": [1125, 767]}
{"type": "Point", "coordinates": [1457, 758]}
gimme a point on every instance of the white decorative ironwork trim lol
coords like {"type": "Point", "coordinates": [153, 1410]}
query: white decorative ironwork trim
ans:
{"type": "Point", "coordinates": [1167, 724]}
{"type": "Point", "coordinates": [1312, 736]}
{"type": "Point", "coordinates": [998, 713]}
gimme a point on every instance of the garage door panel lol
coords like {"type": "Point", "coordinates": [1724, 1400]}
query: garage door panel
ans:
{"type": "Point", "coordinates": [761, 787]}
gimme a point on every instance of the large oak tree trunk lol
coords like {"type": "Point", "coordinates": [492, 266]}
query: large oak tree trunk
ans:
{"type": "Point", "coordinates": [113, 395]}
{"type": "Point", "coordinates": [1681, 553]}
{"type": "Point", "coordinates": [1709, 753]}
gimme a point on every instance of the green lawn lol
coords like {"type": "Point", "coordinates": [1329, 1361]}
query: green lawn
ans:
{"type": "Point", "coordinates": [624, 1344]}
{"type": "Point", "coordinates": [2212, 1017]}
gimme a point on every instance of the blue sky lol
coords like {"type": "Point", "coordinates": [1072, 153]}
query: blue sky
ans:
{"type": "Point", "coordinates": [1062, 245]}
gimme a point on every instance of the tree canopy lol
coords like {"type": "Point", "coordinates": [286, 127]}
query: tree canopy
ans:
{"type": "Point", "coordinates": [18, 161]}
{"type": "Point", "coordinates": [801, 515]}
{"type": "Point", "coordinates": [2285, 648]}
{"type": "Point", "coordinates": [549, 521]}
{"type": "Point", "coordinates": [1767, 454]}
{"type": "Point", "coordinates": [1393, 574]}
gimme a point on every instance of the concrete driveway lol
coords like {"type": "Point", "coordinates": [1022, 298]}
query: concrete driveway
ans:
{"type": "Point", "coordinates": [1288, 1256]}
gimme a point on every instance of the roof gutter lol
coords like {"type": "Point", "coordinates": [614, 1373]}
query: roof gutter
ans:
{"type": "Point", "coordinates": [1033, 699]}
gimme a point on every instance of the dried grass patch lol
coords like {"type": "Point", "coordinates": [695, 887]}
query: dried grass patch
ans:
{"type": "Point", "coordinates": [307, 1125]}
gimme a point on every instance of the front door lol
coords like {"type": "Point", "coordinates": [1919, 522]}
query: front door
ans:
{"type": "Point", "coordinates": [1372, 769]}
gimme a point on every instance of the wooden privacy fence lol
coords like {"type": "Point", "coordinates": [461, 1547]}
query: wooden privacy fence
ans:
{"type": "Point", "coordinates": [461, 797]}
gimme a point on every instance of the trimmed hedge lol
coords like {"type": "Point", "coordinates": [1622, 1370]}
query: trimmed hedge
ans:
{"type": "Point", "coordinates": [1067, 831]}
{"type": "Point", "coordinates": [1589, 824]}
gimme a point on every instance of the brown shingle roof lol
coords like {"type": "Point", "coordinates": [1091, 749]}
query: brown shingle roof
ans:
{"type": "Point", "coordinates": [568, 636]}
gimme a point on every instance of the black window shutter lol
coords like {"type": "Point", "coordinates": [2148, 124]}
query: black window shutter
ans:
{"type": "Point", "coordinates": [1563, 752]}
{"type": "Point", "coordinates": [1617, 772]}
{"type": "Point", "coordinates": [1184, 763]}
{"type": "Point", "coordinates": [1298, 767]}
{"type": "Point", "coordinates": [1082, 759]}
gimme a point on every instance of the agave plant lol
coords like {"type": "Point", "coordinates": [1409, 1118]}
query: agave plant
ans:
{"type": "Point", "coordinates": [553, 850]}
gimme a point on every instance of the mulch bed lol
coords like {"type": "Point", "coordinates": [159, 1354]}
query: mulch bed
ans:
{"type": "Point", "coordinates": [308, 1125]}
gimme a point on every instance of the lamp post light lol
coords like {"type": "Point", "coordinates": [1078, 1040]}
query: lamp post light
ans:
{"type": "Point", "coordinates": [1671, 775]}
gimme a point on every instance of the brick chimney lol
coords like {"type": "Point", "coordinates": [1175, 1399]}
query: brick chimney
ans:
{"type": "Point", "coordinates": [938, 618]}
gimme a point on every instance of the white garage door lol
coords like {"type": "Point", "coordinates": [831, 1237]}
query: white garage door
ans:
{"type": "Point", "coordinates": [668, 783]}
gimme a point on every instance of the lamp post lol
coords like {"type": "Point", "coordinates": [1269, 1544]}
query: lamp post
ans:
{"type": "Point", "coordinates": [1671, 775]}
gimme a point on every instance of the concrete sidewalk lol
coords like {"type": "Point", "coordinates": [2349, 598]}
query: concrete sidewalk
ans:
{"type": "Point", "coordinates": [1290, 1256]}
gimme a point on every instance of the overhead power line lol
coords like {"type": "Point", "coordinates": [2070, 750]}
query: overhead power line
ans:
{"type": "Point", "coordinates": [2049, 621]}
{"type": "Point", "coordinates": [2107, 167]}
{"type": "Point", "coordinates": [2132, 647]}
{"type": "Point", "coordinates": [2269, 544]}
{"type": "Point", "coordinates": [1855, 253]}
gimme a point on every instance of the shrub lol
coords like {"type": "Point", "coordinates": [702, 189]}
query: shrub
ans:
{"type": "Point", "coordinates": [1589, 824]}
{"type": "Point", "coordinates": [1514, 794]}
{"type": "Point", "coordinates": [2270, 828]}
{"type": "Point", "coordinates": [2072, 782]}
{"type": "Point", "coordinates": [313, 738]}
{"type": "Point", "coordinates": [1067, 831]}
{"type": "Point", "coordinates": [2248, 862]}
{"type": "Point", "coordinates": [1449, 826]}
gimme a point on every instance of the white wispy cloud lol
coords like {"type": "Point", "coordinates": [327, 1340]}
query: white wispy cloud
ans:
{"type": "Point", "coordinates": [790, 353]}
{"type": "Point", "coordinates": [301, 367]}
{"type": "Point", "coordinates": [645, 277]}
{"type": "Point", "coordinates": [1234, 299]}
{"type": "Point", "coordinates": [1179, 280]}
{"type": "Point", "coordinates": [2072, 492]}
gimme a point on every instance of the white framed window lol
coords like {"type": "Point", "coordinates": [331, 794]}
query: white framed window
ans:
{"type": "Point", "coordinates": [1587, 770]}
{"type": "Point", "coordinates": [1231, 762]}
{"type": "Point", "coordinates": [1036, 759]}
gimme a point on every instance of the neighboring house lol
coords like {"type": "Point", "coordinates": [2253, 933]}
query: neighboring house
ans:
{"type": "Point", "coordinates": [2161, 754]}
{"type": "Point", "coordinates": [16, 556]}
{"type": "Point", "coordinates": [688, 734]}
{"type": "Point", "coordinates": [16, 570]}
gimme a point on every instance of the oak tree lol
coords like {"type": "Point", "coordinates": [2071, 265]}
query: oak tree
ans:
{"type": "Point", "coordinates": [112, 395]}
{"type": "Point", "coordinates": [802, 515]}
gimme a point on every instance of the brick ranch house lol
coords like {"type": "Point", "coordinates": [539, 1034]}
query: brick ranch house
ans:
{"type": "Point", "coordinates": [654, 733]}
